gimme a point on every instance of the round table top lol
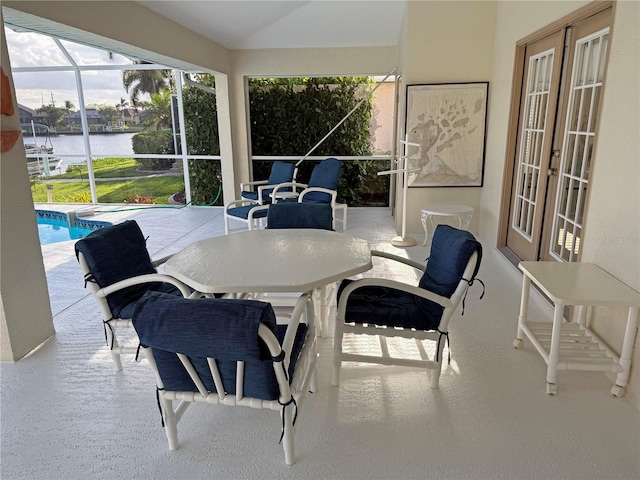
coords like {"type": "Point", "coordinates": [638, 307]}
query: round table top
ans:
{"type": "Point", "coordinates": [287, 260]}
{"type": "Point", "coordinates": [447, 209]}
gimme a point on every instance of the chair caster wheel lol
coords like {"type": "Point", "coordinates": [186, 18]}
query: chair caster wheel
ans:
{"type": "Point", "coordinates": [518, 343]}
{"type": "Point", "coordinates": [552, 388]}
{"type": "Point", "coordinates": [618, 391]}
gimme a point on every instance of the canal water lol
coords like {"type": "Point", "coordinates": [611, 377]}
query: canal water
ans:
{"type": "Point", "coordinates": [116, 144]}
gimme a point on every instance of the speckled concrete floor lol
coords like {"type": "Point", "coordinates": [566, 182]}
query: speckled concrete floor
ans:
{"type": "Point", "coordinates": [66, 414]}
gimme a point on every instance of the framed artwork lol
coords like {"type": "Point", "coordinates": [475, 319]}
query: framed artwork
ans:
{"type": "Point", "coordinates": [447, 121]}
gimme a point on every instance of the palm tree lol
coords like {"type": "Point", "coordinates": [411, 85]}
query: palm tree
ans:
{"type": "Point", "coordinates": [68, 108]}
{"type": "Point", "coordinates": [139, 82]}
{"type": "Point", "coordinates": [120, 106]}
{"type": "Point", "coordinates": [158, 110]}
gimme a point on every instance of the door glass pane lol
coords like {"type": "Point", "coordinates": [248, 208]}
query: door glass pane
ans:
{"type": "Point", "coordinates": [585, 86]}
{"type": "Point", "coordinates": [529, 160]}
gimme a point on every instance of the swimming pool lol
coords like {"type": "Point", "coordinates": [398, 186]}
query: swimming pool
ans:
{"type": "Point", "coordinates": [54, 227]}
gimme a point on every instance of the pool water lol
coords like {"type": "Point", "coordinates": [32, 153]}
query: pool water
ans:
{"type": "Point", "coordinates": [51, 230]}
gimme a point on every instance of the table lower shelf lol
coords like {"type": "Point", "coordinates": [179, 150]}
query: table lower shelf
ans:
{"type": "Point", "coordinates": [580, 348]}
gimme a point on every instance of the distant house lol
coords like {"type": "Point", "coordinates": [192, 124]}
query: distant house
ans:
{"type": "Point", "coordinates": [130, 116]}
{"type": "Point", "coordinates": [27, 115]}
{"type": "Point", "coordinates": [93, 118]}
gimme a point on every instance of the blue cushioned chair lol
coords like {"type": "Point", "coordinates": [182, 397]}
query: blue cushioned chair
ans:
{"type": "Point", "coordinates": [227, 352]}
{"type": "Point", "coordinates": [389, 308]}
{"type": "Point", "coordinates": [281, 172]}
{"type": "Point", "coordinates": [117, 267]}
{"type": "Point", "coordinates": [322, 188]}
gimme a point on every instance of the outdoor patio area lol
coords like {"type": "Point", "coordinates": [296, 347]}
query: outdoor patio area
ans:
{"type": "Point", "coordinates": [66, 413]}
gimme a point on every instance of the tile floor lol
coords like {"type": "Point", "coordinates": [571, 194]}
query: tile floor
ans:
{"type": "Point", "coordinates": [66, 414]}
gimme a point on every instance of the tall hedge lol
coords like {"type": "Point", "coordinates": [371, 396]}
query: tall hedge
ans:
{"type": "Point", "coordinates": [288, 117]}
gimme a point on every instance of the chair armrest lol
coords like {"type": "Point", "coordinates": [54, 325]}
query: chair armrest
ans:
{"type": "Point", "coordinates": [274, 187]}
{"type": "Point", "coordinates": [396, 258]}
{"type": "Point", "coordinates": [273, 345]}
{"type": "Point", "coordinates": [142, 279]}
{"type": "Point", "coordinates": [251, 184]}
{"type": "Point", "coordinates": [253, 211]}
{"type": "Point", "coordinates": [382, 282]}
{"type": "Point", "coordinates": [328, 191]}
{"type": "Point", "coordinates": [240, 203]}
{"type": "Point", "coordinates": [280, 186]}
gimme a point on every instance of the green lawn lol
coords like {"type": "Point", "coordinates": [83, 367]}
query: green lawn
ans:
{"type": "Point", "coordinates": [66, 190]}
{"type": "Point", "coordinates": [105, 168]}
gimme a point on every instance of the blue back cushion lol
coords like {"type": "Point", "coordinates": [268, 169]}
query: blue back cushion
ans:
{"type": "Point", "coordinates": [451, 249]}
{"type": "Point", "coordinates": [116, 253]}
{"type": "Point", "coordinates": [326, 175]}
{"type": "Point", "coordinates": [300, 215]}
{"type": "Point", "coordinates": [224, 329]}
{"type": "Point", "coordinates": [281, 172]}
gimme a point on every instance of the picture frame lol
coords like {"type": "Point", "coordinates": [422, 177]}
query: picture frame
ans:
{"type": "Point", "coordinates": [448, 122]}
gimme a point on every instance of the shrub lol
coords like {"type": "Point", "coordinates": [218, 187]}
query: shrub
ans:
{"type": "Point", "coordinates": [153, 142]}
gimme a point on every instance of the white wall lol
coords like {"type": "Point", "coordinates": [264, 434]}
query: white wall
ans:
{"type": "Point", "coordinates": [612, 231]}
{"type": "Point", "coordinates": [446, 42]}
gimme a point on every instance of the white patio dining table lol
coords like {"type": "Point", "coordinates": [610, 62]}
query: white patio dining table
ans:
{"type": "Point", "coordinates": [283, 260]}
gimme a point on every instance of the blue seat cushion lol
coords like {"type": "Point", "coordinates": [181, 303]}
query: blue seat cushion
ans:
{"type": "Point", "coordinates": [326, 175]}
{"type": "Point", "coordinates": [243, 212]}
{"type": "Point", "coordinates": [116, 253]}
{"type": "Point", "coordinates": [224, 329]}
{"type": "Point", "coordinates": [451, 250]}
{"type": "Point", "coordinates": [281, 172]}
{"type": "Point", "coordinates": [380, 305]}
{"type": "Point", "coordinates": [300, 215]}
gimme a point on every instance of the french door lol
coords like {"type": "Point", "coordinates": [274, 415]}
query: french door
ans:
{"type": "Point", "coordinates": [559, 103]}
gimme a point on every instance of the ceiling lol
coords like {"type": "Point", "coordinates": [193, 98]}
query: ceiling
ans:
{"type": "Point", "coordinates": [251, 24]}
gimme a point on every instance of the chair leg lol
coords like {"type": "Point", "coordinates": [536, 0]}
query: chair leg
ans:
{"type": "Point", "coordinates": [112, 343]}
{"type": "Point", "coordinates": [435, 373]}
{"type": "Point", "coordinates": [288, 438]}
{"type": "Point", "coordinates": [337, 354]}
{"type": "Point", "coordinates": [226, 225]}
{"type": "Point", "coordinates": [170, 423]}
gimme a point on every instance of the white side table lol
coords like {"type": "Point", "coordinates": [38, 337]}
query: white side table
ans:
{"type": "Point", "coordinates": [573, 345]}
{"type": "Point", "coordinates": [462, 213]}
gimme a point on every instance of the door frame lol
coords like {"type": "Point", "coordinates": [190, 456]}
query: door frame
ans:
{"type": "Point", "coordinates": [511, 153]}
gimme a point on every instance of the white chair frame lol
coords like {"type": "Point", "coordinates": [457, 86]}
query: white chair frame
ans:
{"type": "Point", "coordinates": [111, 324]}
{"type": "Point", "coordinates": [433, 365]}
{"type": "Point", "coordinates": [303, 380]}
